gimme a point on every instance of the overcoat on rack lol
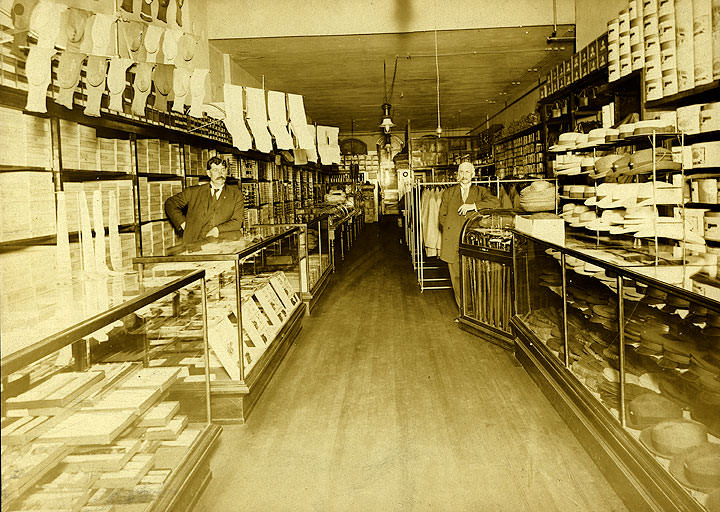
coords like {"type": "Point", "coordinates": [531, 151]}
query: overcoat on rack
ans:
{"type": "Point", "coordinates": [451, 222]}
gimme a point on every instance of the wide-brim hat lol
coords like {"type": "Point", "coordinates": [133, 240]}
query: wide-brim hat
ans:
{"type": "Point", "coordinates": [683, 468]}
{"type": "Point", "coordinates": [641, 162]}
{"type": "Point", "coordinates": [566, 142]}
{"type": "Point", "coordinates": [596, 137]}
{"type": "Point", "coordinates": [604, 166]}
{"type": "Point", "coordinates": [648, 126]}
{"type": "Point", "coordinates": [648, 409]}
{"type": "Point", "coordinates": [668, 438]}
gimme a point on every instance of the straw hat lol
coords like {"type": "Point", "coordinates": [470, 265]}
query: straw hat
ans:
{"type": "Point", "coordinates": [671, 437]}
{"type": "Point", "coordinates": [698, 468]}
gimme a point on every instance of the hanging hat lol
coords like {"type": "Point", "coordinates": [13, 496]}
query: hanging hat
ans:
{"type": "Point", "coordinates": [127, 5]}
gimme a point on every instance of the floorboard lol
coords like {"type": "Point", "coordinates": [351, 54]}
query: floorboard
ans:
{"type": "Point", "coordinates": [383, 403]}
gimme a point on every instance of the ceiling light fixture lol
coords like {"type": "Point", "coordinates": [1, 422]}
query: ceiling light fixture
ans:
{"type": "Point", "coordinates": [387, 123]}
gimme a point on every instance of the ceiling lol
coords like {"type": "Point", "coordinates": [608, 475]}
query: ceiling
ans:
{"type": "Point", "coordinates": [341, 77]}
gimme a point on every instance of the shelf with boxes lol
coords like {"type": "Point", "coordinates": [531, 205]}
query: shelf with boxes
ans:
{"type": "Point", "coordinates": [672, 42]}
{"type": "Point", "coordinates": [520, 154]}
{"type": "Point", "coordinates": [95, 408]}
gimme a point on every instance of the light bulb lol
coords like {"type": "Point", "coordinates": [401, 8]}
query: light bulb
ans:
{"type": "Point", "coordinates": [438, 130]}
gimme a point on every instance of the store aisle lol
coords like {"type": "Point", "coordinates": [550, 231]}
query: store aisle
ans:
{"type": "Point", "coordinates": [383, 404]}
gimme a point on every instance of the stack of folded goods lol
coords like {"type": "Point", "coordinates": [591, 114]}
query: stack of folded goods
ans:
{"type": "Point", "coordinates": [568, 164]}
{"type": "Point", "coordinates": [538, 197]}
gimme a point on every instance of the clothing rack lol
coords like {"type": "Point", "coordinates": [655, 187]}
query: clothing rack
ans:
{"type": "Point", "coordinates": [414, 228]}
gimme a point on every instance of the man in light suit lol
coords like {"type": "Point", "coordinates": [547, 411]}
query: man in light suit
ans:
{"type": "Point", "coordinates": [456, 202]}
{"type": "Point", "coordinates": [210, 209]}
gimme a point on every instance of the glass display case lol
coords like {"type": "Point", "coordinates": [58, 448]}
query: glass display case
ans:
{"type": "Point", "coordinates": [486, 285]}
{"type": "Point", "coordinates": [254, 311]}
{"type": "Point", "coordinates": [340, 234]}
{"type": "Point", "coordinates": [630, 359]}
{"type": "Point", "coordinates": [105, 396]}
{"type": "Point", "coordinates": [314, 257]}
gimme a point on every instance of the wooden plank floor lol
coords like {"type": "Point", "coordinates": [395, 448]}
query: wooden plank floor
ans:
{"type": "Point", "coordinates": [384, 404]}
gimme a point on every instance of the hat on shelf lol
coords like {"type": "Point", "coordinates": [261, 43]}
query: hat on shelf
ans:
{"type": "Point", "coordinates": [611, 135]}
{"type": "Point", "coordinates": [649, 409]}
{"type": "Point", "coordinates": [698, 468]}
{"type": "Point", "coordinates": [603, 166]}
{"type": "Point", "coordinates": [671, 437]}
{"type": "Point", "coordinates": [641, 161]}
{"type": "Point", "coordinates": [595, 137]}
{"type": "Point", "coordinates": [648, 126]}
{"type": "Point", "coordinates": [566, 142]}
{"type": "Point", "coordinates": [626, 130]}
{"type": "Point", "coordinates": [538, 197]}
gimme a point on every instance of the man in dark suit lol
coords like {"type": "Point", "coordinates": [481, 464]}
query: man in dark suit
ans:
{"type": "Point", "coordinates": [210, 209]}
{"type": "Point", "coordinates": [456, 202]}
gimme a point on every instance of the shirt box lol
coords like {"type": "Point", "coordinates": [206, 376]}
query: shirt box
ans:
{"type": "Point", "coordinates": [602, 50]}
{"type": "Point", "coordinates": [592, 56]}
{"type": "Point", "coordinates": [549, 230]}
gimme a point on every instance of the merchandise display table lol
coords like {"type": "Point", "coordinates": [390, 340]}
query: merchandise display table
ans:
{"type": "Point", "coordinates": [254, 308]}
{"type": "Point", "coordinates": [626, 344]}
{"type": "Point", "coordinates": [96, 412]}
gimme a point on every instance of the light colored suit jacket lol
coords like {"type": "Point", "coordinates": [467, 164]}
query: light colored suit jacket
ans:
{"type": "Point", "coordinates": [193, 206]}
{"type": "Point", "coordinates": [451, 222]}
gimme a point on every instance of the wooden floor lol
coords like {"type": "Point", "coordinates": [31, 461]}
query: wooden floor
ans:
{"type": "Point", "coordinates": [384, 404]}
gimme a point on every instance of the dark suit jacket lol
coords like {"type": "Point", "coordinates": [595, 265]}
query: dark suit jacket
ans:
{"type": "Point", "coordinates": [451, 223]}
{"type": "Point", "coordinates": [193, 206]}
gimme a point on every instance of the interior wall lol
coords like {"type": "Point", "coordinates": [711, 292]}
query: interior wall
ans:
{"type": "Point", "coordinates": [591, 19]}
{"type": "Point", "coordinates": [273, 18]}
